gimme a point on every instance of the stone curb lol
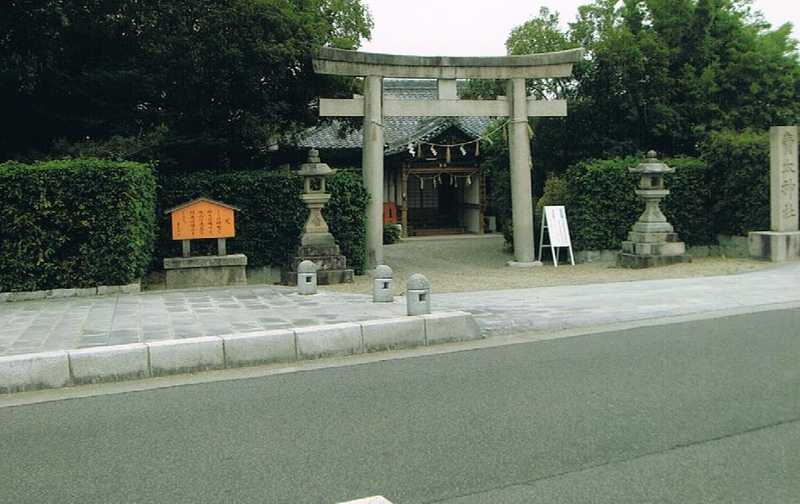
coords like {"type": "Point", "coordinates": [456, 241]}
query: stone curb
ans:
{"type": "Point", "coordinates": [34, 371]}
{"type": "Point", "coordinates": [262, 347]}
{"type": "Point", "coordinates": [113, 363]}
{"type": "Point", "coordinates": [186, 355]}
{"type": "Point", "coordinates": [58, 369]}
{"type": "Point", "coordinates": [8, 297]}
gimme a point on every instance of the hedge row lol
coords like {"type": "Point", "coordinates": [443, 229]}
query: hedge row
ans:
{"type": "Point", "coordinates": [738, 165]}
{"type": "Point", "coordinates": [272, 215]}
{"type": "Point", "coordinates": [75, 223]}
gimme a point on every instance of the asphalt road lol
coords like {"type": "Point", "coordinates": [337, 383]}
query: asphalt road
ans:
{"type": "Point", "coordinates": [695, 412]}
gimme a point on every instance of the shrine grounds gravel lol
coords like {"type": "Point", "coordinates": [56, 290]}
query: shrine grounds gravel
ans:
{"type": "Point", "coordinates": [474, 263]}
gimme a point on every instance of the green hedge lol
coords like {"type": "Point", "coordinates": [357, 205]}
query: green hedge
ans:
{"type": "Point", "coordinates": [738, 166]}
{"type": "Point", "coordinates": [272, 215]}
{"type": "Point", "coordinates": [346, 215]}
{"type": "Point", "coordinates": [602, 205]}
{"type": "Point", "coordinates": [75, 223]}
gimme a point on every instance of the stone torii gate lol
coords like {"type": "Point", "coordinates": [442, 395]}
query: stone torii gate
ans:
{"type": "Point", "coordinates": [373, 107]}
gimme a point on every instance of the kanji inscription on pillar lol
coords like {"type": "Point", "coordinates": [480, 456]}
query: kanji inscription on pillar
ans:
{"type": "Point", "coordinates": [783, 178]}
{"type": "Point", "coordinates": [202, 219]}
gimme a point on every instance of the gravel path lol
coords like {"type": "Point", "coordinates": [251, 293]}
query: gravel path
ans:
{"type": "Point", "coordinates": [478, 263]}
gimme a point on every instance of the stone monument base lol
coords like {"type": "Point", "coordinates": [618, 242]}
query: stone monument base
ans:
{"type": "Point", "coordinates": [205, 271]}
{"type": "Point", "coordinates": [634, 261]}
{"type": "Point", "coordinates": [331, 264]}
{"type": "Point", "coordinates": [648, 250]}
{"type": "Point", "coordinates": [775, 246]}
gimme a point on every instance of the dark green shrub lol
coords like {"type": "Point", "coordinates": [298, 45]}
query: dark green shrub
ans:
{"type": "Point", "coordinates": [556, 192]}
{"type": "Point", "coordinates": [346, 215]}
{"type": "Point", "coordinates": [391, 234]}
{"type": "Point", "coordinates": [601, 205]}
{"type": "Point", "coordinates": [75, 223]}
{"type": "Point", "coordinates": [272, 215]}
{"type": "Point", "coordinates": [689, 204]}
{"type": "Point", "coordinates": [738, 165]}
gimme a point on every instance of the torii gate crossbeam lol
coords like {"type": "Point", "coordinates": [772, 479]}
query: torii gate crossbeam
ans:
{"type": "Point", "coordinates": [517, 106]}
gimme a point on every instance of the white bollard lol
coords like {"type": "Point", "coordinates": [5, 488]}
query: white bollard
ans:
{"type": "Point", "coordinates": [382, 285]}
{"type": "Point", "coordinates": [418, 295]}
{"type": "Point", "coordinates": [307, 278]}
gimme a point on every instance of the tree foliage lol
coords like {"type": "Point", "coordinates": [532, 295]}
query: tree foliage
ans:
{"type": "Point", "coordinates": [213, 82]}
{"type": "Point", "coordinates": [660, 74]}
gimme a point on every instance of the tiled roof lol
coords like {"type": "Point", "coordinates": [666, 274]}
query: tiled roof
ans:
{"type": "Point", "coordinates": [398, 131]}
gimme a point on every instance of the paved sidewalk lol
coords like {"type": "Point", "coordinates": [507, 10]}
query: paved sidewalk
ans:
{"type": "Point", "coordinates": [69, 323]}
{"type": "Point", "coordinates": [570, 306]}
{"type": "Point", "coordinates": [61, 324]}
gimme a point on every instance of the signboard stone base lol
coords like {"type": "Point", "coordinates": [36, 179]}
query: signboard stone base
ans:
{"type": "Point", "coordinates": [205, 271]}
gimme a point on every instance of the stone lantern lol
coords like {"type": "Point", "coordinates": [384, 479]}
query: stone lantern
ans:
{"type": "Point", "coordinates": [652, 241]}
{"type": "Point", "coordinates": [317, 243]}
{"type": "Point", "coordinates": [314, 173]}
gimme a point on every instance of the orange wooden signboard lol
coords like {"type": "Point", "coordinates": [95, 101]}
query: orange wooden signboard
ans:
{"type": "Point", "coordinates": [201, 219]}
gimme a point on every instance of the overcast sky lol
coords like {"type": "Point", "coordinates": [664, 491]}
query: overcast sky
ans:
{"type": "Point", "coordinates": [480, 27]}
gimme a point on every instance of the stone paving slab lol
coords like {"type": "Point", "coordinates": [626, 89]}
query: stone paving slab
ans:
{"type": "Point", "coordinates": [70, 323]}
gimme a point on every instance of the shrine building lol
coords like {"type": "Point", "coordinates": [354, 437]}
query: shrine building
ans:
{"type": "Point", "coordinates": [433, 182]}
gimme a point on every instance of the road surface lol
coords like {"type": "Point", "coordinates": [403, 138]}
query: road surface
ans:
{"type": "Point", "coordinates": [703, 411]}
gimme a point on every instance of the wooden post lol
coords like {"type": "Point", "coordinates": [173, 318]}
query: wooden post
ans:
{"type": "Point", "coordinates": [186, 245]}
{"type": "Point", "coordinates": [221, 247]}
{"type": "Point", "coordinates": [404, 197]}
{"type": "Point", "coordinates": [482, 179]}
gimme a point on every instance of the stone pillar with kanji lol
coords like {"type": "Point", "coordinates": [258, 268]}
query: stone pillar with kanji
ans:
{"type": "Point", "coordinates": [782, 242]}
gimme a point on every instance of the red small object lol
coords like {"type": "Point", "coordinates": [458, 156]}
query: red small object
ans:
{"type": "Point", "coordinates": [389, 213]}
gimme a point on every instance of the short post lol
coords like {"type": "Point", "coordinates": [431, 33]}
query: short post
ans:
{"type": "Point", "coordinates": [418, 295]}
{"type": "Point", "coordinates": [307, 278]}
{"type": "Point", "coordinates": [382, 285]}
{"type": "Point", "coordinates": [221, 247]}
{"type": "Point", "coordinates": [186, 247]}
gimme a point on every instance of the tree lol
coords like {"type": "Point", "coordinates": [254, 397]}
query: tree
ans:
{"type": "Point", "coordinates": [662, 74]}
{"type": "Point", "coordinates": [203, 83]}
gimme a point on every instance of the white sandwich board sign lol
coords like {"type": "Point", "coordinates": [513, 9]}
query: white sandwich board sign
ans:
{"type": "Point", "coordinates": [554, 220]}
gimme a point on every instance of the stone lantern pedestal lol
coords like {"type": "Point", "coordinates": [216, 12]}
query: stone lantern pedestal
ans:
{"type": "Point", "coordinates": [652, 241]}
{"type": "Point", "coordinates": [317, 243]}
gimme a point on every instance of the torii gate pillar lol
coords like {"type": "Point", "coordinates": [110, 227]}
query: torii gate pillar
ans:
{"type": "Point", "coordinates": [373, 107]}
{"type": "Point", "coordinates": [519, 146]}
{"type": "Point", "coordinates": [372, 166]}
